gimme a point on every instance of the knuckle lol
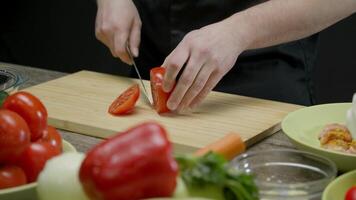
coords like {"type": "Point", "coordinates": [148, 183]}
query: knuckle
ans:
{"type": "Point", "coordinates": [173, 64]}
{"type": "Point", "coordinates": [186, 81]}
{"type": "Point", "coordinates": [199, 84]}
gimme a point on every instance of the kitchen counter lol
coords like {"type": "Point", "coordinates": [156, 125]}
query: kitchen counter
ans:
{"type": "Point", "coordinates": [82, 142]}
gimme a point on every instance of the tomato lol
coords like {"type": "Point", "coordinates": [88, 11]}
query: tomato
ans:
{"type": "Point", "coordinates": [11, 176]}
{"type": "Point", "coordinates": [34, 158]}
{"type": "Point", "coordinates": [14, 136]}
{"type": "Point", "coordinates": [125, 103]}
{"type": "Point", "coordinates": [351, 193]}
{"type": "Point", "coordinates": [31, 110]}
{"type": "Point", "coordinates": [52, 136]}
{"type": "Point", "coordinates": [159, 96]}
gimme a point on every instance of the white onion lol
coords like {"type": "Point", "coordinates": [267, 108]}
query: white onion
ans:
{"type": "Point", "coordinates": [59, 179]}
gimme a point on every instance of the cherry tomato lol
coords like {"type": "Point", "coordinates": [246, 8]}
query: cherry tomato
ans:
{"type": "Point", "coordinates": [34, 158]}
{"type": "Point", "coordinates": [159, 96]}
{"type": "Point", "coordinates": [14, 136]}
{"type": "Point", "coordinates": [125, 103]}
{"type": "Point", "coordinates": [11, 176]}
{"type": "Point", "coordinates": [52, 136]}
{"type": "Point", "coordinates": [351, 193]}
{"type": "Point", "coordinates": [31, 109]}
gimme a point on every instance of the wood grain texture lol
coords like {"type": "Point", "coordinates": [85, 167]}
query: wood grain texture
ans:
{"type": "Point", "coordinates": [79, 103]}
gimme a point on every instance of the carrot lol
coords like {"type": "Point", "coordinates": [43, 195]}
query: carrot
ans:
{"type": "Point", "coordinates": [229, 146]}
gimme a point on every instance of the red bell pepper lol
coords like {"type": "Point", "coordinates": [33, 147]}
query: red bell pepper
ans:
{"type": "Point", "coordinates": [159, 96]}
{"type": "Point", "coordinates": [132, 165]}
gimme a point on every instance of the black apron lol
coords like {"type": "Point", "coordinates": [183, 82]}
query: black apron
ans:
{"type": "Point", "coordinates": [281, 72]}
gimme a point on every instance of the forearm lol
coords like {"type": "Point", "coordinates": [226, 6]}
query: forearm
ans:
{"type": "Point", "coordinates": [279, 21]}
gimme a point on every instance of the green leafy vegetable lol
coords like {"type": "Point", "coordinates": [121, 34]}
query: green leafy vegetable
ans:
{"type": "Point", "coordinates": [208, 176]}
{"type": "Point", "coordinates": [3, 96]}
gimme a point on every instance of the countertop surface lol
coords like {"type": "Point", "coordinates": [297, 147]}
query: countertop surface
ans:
{"type": "Point", "coordinates": [83, 143]}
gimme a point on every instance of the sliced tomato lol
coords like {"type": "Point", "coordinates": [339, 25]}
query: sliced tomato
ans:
{"type": "Point", "coordinates": [11, 176]}
{"type": "Point", "coordinates": [34, 158]}
{"type": "Point", "coordinates": [52, 136]}
{"type": "Point", "coordinates": [31, 109]}
{"type": "Point", "coordinates": [125, 103]}
{"type": "Point", "coordinates": [160, 97]}
{"type": "Point", "coordinates": [14, 136]}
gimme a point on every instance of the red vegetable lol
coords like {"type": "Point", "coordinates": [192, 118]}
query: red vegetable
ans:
{"type": "Point", "coordinates": [159, 96]}
{"type": "Point", "coordinates": [34, 158]}
{"type": "Point", "coordinates": [31, 109]}
{"type": "Point", "coordinates": [52, 136]}
{"type": "Point", "coordinates": [11, 176]}
{"type": "Point", "coordinates": [125, 103]}
{"type": "Point", "coordinates": [14, 136]}
{"type": "Point", "coordinates": [132, 165]}
{"type": "Point", "coordinates": [351, 193]}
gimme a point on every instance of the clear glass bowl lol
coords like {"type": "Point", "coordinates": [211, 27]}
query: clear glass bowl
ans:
{"type": "Point", "coordinates": [11, 79]}
{"type": "Point", "coordinates": [287, 174]}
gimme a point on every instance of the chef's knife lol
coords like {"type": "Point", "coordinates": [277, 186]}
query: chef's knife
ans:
{"type": "Point", "coordinates": [138, 74]}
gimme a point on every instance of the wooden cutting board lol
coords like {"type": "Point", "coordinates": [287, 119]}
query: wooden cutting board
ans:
{"type": "Point", "coordinates": [79, 103]}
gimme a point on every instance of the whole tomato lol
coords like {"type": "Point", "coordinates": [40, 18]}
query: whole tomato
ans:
{"type": "Point", "coordinates": [14, 136]}
{"type": "Point", "coordinates": [31, 109]}
{"type": "Point", "coordinates": [34, 158]}
{"type": "Point", "coordinates": [11, 176]}
{"type": "Point", "coordinates": [52, 136]}
{"type": "Point", "coordinates": [351, 193]}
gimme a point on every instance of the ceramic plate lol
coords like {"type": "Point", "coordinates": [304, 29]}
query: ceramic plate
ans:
{"type": "Point", "coordinates": [304, 125]}
{"type": "Point", "coordinates": [338, 188]}
{"type": "Point", "coordinates": [28, 191]}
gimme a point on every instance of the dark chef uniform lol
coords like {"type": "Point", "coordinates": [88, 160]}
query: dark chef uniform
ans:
{"type": "Point", "coordinates": [281, 72]}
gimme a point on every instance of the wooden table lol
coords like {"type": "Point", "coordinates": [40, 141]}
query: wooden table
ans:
{"type": "Point", "coordinates": [82, 142]}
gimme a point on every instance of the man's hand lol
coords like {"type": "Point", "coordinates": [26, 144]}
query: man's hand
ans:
{"type": "Point", "coordinates": [118, 24]}
{"type": "Point", "coordinates": [207, 54]}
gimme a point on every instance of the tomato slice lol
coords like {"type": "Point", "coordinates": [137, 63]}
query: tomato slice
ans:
{"type": "Point", "coordinates": [34, 158]}
{"type": "Point", "coordinates": [125, 103]}
{"type": "Point", "coordinates": [14, 136]}
{"type": "Point", "coordinates": [11, 176]}
{"type": "Point", "coordinates": [31, 109]}
{"type": "Point", "coordinates": [160, 97]}
{"type": "Point", "coordinates": [52, 136]}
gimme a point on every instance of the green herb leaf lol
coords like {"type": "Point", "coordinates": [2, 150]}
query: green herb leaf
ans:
{"type": "Point", "coordinates": [3, 96]}
{"type": "Point", "coordinates": [211, 173]}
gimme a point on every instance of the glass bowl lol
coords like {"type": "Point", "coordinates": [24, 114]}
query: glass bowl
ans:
{"type": "Point", "coordinates": [11, 79]}
{"type": "Point", "coordinates": [287, 174]}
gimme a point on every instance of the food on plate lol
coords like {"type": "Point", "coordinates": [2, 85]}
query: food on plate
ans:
{"type": "Point", "coordinates": [31, 109]}
{"type": "Point", "coordinates": [135, 164]}
{"type": "Point", "coordinates": [26, 141]}
{"type": "Point", "coordinates": [14, 136]}
{"type": "Point", "coordinates": [138, 164]}
{"type": "Point", "coordinates": [59, 179]}
{"type": "Point", "coordinates": [229, 146]}
{"type": "Point", "coordinates": [160, 97]}
{"type": "Point", "coordinates": [351, 193]}
{"type": "Point", "coordinates": [125, 103]}
{"type": "Point", "coordinates": [11, 176]}
{"type": "Point", "coordinates": [337, 137]}
{"type": "Point", "coordinates": [334, 132]}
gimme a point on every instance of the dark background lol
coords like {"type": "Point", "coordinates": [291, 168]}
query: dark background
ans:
{"type": "Point", "coordinates": [59, 35]}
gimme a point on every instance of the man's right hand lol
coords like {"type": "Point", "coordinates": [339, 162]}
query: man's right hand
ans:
{"type": "Point", "coordinates": [117, 24]}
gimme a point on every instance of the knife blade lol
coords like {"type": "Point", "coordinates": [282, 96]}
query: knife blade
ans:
{"type": "Point", "coordinates": [138, 74]}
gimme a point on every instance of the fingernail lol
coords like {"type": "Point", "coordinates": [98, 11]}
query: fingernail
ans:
{"type": "Point", "coordinates": [135, 52]}
{"type": "Point", "coordinates": [171, 106]}
{"type": "Point", "coordinates": [166, 88]}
